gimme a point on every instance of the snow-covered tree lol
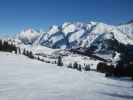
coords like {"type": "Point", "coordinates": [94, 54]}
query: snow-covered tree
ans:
{"type": "Point", "coordinates": [116, 59]}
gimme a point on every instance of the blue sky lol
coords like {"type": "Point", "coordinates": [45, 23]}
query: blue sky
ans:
{"type": "Point", "coordinates": [16, 15]}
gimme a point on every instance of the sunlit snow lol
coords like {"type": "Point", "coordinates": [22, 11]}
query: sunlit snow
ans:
{"type": "Point", "coordinates": [22, 78]}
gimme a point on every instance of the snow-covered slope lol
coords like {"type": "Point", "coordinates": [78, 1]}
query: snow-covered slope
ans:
{"type": "Point", "coordinates": [28, 36]}
{"type": "Point", "coordinates": [22, 78]}
{"type": "Point", "coordinates": [54, 38]}
{"type": "Point", "coordinates": [127, 29]}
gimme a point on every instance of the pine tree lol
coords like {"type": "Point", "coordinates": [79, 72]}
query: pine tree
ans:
{"type": "Point", "coordinates": [15, 49]}
{"type": "Point", "coordinates": [87, 68]}
{"type": "Point", "coordinates": [59, 62]}
{"type": "Point", "coordinates": [19, 51]}
{"type": "Point", "coordinates": [5, 46]}
{"type": "Point", "coordinates": [31, 55]}
{"type": "Point", "coordinates": [0, 44]}
{"type": "Point", "coordinates": [24, 52]}
{"type": "Point", "coordinates": [75, 65]}
{"type": "Point", "coordinates": [38, 58]}
{"type": "Point", "coordinates": [70, 65]}
{"type": "Point", "coordinates": [79, 67]}
{"type": "Point", "coordinates": [27, 53]}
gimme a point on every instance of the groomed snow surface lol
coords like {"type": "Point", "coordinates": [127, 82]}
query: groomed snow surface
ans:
{"type": "Point", "coordinates": [22, 78]}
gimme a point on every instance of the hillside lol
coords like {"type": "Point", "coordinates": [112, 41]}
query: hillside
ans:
{"type": "Point", "coordinates": [23, 78]}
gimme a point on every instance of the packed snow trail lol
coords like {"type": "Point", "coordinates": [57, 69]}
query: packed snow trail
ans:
{"type": "Point", "coordinates": [22, 78]}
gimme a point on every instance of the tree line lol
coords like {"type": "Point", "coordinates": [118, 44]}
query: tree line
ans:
{"type": "Point", "coordinates": [8, 47]}
{"type": "Point", "coordinates": [124, 67]}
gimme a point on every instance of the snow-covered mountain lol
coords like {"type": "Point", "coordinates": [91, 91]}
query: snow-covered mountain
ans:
{"type": "Point", "coordinates": [74, 35]}
{"type": "Point", "coordinates": [127, 29]}
{"type": "Point", "coordinates": [100, 37]}
{"type": "Point", "coordinates": [28, 36]}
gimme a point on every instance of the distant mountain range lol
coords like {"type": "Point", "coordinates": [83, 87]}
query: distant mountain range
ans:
{"type": "Point", "coordinates": [97, 40]}
{"type": "Point", "coordinates": [77, 34]}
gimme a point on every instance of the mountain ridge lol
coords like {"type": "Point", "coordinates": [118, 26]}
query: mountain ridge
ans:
{"type": "Point", "coordinates": [77, 34]}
